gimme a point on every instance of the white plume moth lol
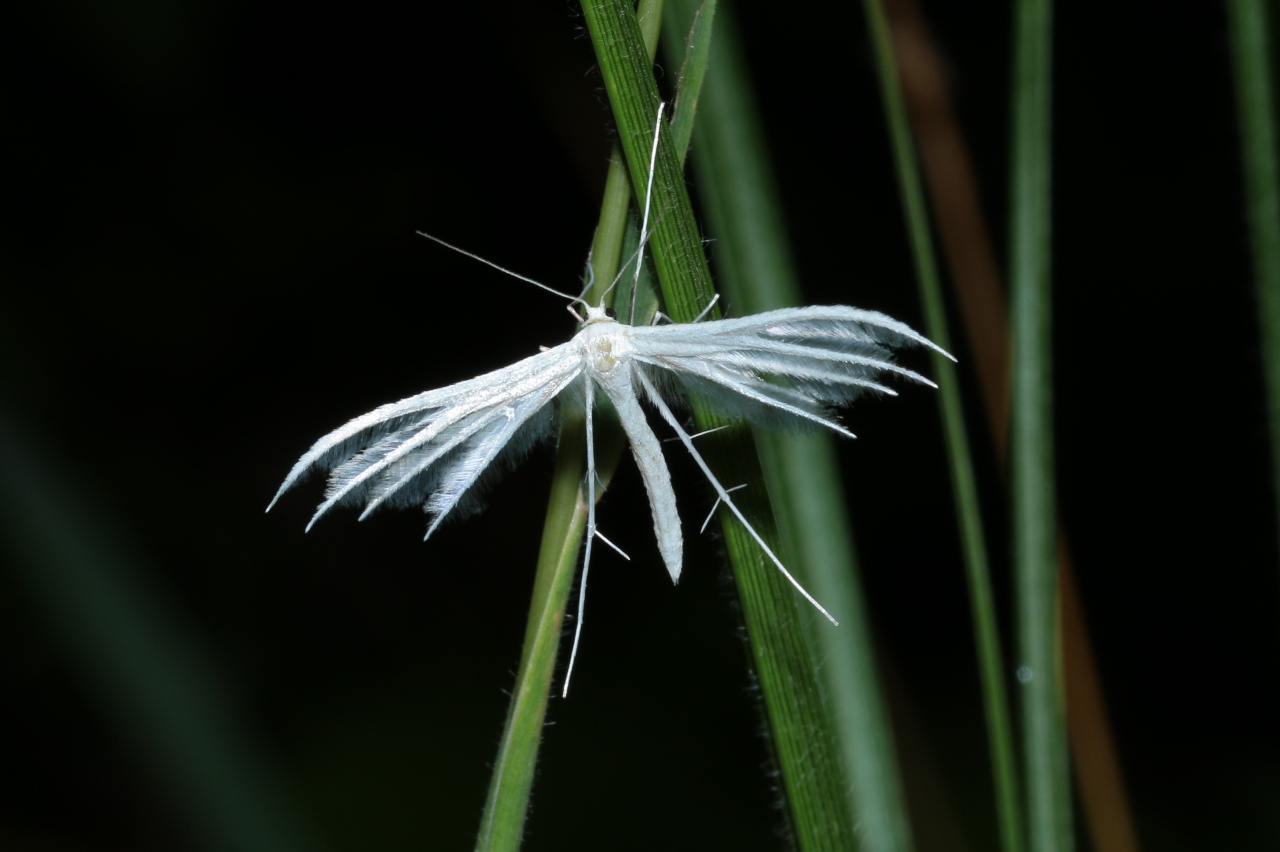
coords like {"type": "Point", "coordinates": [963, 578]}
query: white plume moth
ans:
{"type": "Point", "coordinates": [790, 364]}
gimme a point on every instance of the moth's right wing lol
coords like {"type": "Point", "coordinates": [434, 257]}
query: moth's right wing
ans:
{"type": "Point", "coordinates": [824, 356]}
{"type": "Point", "coordinates": [430, 448]}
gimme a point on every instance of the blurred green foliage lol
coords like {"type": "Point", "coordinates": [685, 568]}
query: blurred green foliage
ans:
{"type": "Point", "coordinates": [210, 260]}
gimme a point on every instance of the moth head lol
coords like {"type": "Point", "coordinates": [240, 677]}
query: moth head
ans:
{"type": "Point", "coordinates": [600, 314]}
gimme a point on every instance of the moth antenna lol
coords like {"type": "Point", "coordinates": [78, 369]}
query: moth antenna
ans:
{"type": "Point", "coordinates": [644, 222]}
{"type": "Point", "coordinates": [591, 535]}
{"type": "Point", "coordinates": [499, 268]}
{"type": "Point", "coordinates": [716, 505]}
{"type": "Point", "coordinates": [659, 404]}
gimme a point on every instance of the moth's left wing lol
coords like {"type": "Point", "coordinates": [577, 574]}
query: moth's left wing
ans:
{"type": "Point", "coordinates": [824, 356]}
{"type": "Point", "coordinates": [431, 448]}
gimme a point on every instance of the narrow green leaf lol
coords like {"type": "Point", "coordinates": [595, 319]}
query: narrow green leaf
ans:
{"type": "Point", "coordinates": [141, 666]}
{"type": "Point", "coordinates": [785, 661]}
{"type": "Point", "coordinates": [757, 272]}
{"type": "Point", "coordinates": [1254, 71]}
{"type": "Point", "coordinates": [502, 824]}
{"type": "Point", "coordinates": [676, 243]}
{"type": "Point", "coordinates": [968, 514]}
{"type": "Point", "coordinates": [1047, 774]}
{"type": "Point", "coordinates": [696, 52]}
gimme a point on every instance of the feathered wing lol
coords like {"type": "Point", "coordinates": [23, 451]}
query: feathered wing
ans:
{"type": "Point", "coordinates": [647, 452]}
{"type": "Point", "coordinates": [825, 355]}
{"type": "Point", "coordinates": [430, 448]}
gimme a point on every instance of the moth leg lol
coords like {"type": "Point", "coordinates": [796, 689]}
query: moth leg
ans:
{"type": "Point", "coordinates": [621, 552]}
{"type": "Point", "coordinates": [716, 505]}
{"type": "Point", "coordinates": [695, 436]}
{"type": "Point", "coordinates": [659, 404]}
{"type": "Point", "coordinates": [591, 532]}
{"type": "Point", "coordinates": [659, 315]}
{"type": "Point", "coordinates": [644, 221]}
{"type": "Point", "coordinates": [708, 308]}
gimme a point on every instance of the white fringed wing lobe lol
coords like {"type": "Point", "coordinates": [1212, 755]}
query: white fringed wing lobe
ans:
{"type": "Point", "coordinates": [826, 356]}
{"type": "Point", "coordinates": [430, 448]}
{"type": "Point", "coordinates": [775, 368]}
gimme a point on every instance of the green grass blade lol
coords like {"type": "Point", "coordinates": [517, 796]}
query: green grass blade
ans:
{"type": "Point", "coordinates": [606, 248]}
{"type": "Point", "coordinates": [1047, 774]}
{"type": "Point", "coordinates": [633, 95]}
{"type": "Point", "coordinates": [757, 272]}
{"type": "Point", "coordinates": [1255, 98]}
{"type": "Point", "coordinates": [968, 515]}
{"type": "Point", "coordinates": [144, 670]}
{"type": "Point", "coordinates": [785, 662]}
{"type": "Point", "coordinates": [502, 824]}
{"type": "Point", "coordinates": [692, 72]}
{"type": "Point", "coordinates": [507, 803]}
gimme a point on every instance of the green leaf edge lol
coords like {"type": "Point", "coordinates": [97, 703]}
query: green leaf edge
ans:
{"type": "Point", "coordinates": [1044, 738]}
{"type": "Point", "coordinates": [511, 784]}
{"type": "Point", "coordinates": [786, 662]}
{"type": "Point", "coordinates": [991, 666]}
{"type": "Point", "coordinates": [757, 273]}
{"type": "Point", "coordinates": [1256, 108]}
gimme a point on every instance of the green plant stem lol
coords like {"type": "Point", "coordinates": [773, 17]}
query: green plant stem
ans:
{"type": "Point", "coordinates": [502, 824]}
{"type": "Point", "coordinates": [757, 273]}
{"type": "Point", "coordinates": [968, 515]}
{"type": "Point", "coordinates": [1047, 774]}
{"type": "Point", "coordinates": [786, 664]}
{"type": "Point", "coordinates": [507, 803]}
{"type": "Point", "coordinates": [1256, 105]}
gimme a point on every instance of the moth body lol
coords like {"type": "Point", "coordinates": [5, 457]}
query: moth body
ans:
{"type": "Point", "coordinates": [780, 368]}
{"type": "Point", "coordinates": [783, 367]}
{"type": "Point", "coordinates": [607, 351]}
{"type": "Point", "coordinates": [429, 449]}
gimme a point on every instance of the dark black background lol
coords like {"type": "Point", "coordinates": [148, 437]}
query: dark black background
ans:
{"type": "Point", "coordinates": [210, 260]}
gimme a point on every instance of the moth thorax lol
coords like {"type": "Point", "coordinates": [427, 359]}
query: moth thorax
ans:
{"type": "Point", "coordinates": [602, 357]}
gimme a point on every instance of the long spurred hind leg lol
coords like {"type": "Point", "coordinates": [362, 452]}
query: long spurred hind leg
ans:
{"type": "Point", "coordinates": [721, 491]}
{"type": "Point", "coordinates": [591, 532]}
